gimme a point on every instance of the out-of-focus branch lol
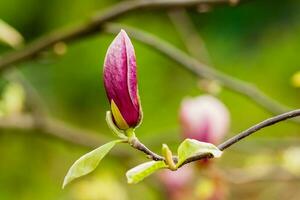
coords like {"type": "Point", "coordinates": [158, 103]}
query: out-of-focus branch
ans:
{"type": "Point", "coordinates": [94, 25]}
{"type": "Point", "coordinates": [33, 99]}
{"type": "Point", "coordinates": [54, 128]}
{"type": "Point", "coordinates": [38, 119]}
{"type": "Point", "coordinates": [201, 70]}
{"type": "Point", "coordinates": [194, 44]}
{"type": "Point", "coordinates": [58, 130]}
{"type": "Point", "coordinates": [189, 35]}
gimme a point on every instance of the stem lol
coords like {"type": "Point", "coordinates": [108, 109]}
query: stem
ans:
{"type": "Point", "coordinates": [246, 133]}
{"type": "Point", "coordinates": [257, 127]}
{"type": "Point", "coordinates": [135, 143]}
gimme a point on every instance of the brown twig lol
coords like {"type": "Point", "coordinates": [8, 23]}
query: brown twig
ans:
{"type": "Point", "coordinates": [246, 133]}
{"type": "Point", "coordinates": [135, 143]}
{"type": "Point", "coordinates": [257, 127]}
{"type": "Point", "coordinates": [93, 26]}
{"type": "Point", "coordinates": [268, 122]}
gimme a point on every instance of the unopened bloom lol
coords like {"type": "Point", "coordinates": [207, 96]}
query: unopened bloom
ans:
{"type": "Point", "coordinates": [204, 118]}
{"type": "Point", "coordinates": [120, 81]}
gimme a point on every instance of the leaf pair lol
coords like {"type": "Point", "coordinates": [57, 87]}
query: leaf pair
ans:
{"type": "Point", "coordinates": [187, 149]}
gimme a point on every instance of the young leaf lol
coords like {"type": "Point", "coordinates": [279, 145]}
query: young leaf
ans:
{"type": "Point", "coordinates": [191, 147]}
{"type": "Point", "coordinates": [113, 127]}
{"type": "Point", "coordinates": [9, 35]}
{"type": "Point", "coordinates": [140, 172]}
{"type": "Point", "coordinates": [88, 162]}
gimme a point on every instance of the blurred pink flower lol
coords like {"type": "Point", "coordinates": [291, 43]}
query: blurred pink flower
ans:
{"type": "Point", "coordinates": [204, 118]}
{"type": "Point", "coordinates": [120, 81]}
{"type": "Point", "coordinates": [177, 182]}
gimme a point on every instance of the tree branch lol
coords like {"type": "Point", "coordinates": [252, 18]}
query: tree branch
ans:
{"type": "Point", "coordinates": [268, 122]}
{"type": "Point", "coordinates": [202, 70]}
{"type": "Point", "coordinates": [94, 25]}
{"type": "Point", "coordinates": [246, 133]}
{"type": "Point", "coordinates": [189, 35]}
{"type": "Point", "coordinates": [257, 127]}
{"type": "Point", "coordinates": [54, 128]}
{"type": "Point", "coordinates": [135, 143]}
{"type": "Point", "coordinates": [58, 129]}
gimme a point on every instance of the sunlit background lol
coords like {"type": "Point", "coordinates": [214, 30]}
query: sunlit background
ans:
{"type": "Point", "coordinates": [255, 41]}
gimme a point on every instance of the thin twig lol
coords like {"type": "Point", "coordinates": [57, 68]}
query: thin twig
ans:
{"type": "Point", "coordinates": [93, 26]}
{"type": "Point", "coordinates": [268, 122]}
{"type": "Point", "coordinates": [246, 133]}
{"type": "Point", "coordinates": [257, 127]}
{"type": "Point", "coordinates": [135, 143]}
{"type": "Point", "coordinates": [202, 70]}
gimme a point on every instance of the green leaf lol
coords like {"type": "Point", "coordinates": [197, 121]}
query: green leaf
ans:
{"type": "Point", "coordinates": [88, 162]}
{"type": "Point", "coordinates": [9, 35]}
{"type": "Point", "coordinates": [139, 172]}
{"type": "Point", "coordinates": [113, 127]}
{"type": "Point", "coordinates": [189, 148]}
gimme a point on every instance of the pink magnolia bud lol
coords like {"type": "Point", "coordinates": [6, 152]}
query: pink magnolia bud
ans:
{"type": "Point", "coordinates": [120, 82]}
{"type": "Point", "coordinates": [204, 118]}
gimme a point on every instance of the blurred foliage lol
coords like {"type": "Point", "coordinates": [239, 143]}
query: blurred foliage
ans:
{"type": "Point", "coordinates": [257, 41]}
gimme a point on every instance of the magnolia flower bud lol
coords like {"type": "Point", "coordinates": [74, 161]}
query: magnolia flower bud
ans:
{"type": "Point", "coordinates": [204, 118]}
{"type": "Point", "coordinates": [120, 82]}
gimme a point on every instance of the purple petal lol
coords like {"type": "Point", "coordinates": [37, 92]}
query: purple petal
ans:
{"type": "Point", "coordinates": [120, 78]}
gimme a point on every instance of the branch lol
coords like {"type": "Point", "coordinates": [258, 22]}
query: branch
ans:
{"type": "Point", "coordinates": [135, 143]}
{"type": "Point", "coordinates": [268, 122]}
{"type": "Point", "coordinates": [257, 127]}
{"type": "Point", "coordinates": [93, 26]}
{"type": "Point", "coordinates": [38, 118]}
{"type": "Point", "coordinates": [246, 133]}
{"type": "Point", "coordinates": [189, 35]}
{"type": "Point", "coordinates": [54, 128]}
{"type": "Point", "coordinates": [202, 70]}
{"type": "Point", "coordinates": [57, 129]}
{"type": "Point", "coordinates": [33, 99]}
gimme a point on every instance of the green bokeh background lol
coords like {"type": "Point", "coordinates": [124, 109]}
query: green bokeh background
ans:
{"type": "Point", "coordinates": [257, 41]}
